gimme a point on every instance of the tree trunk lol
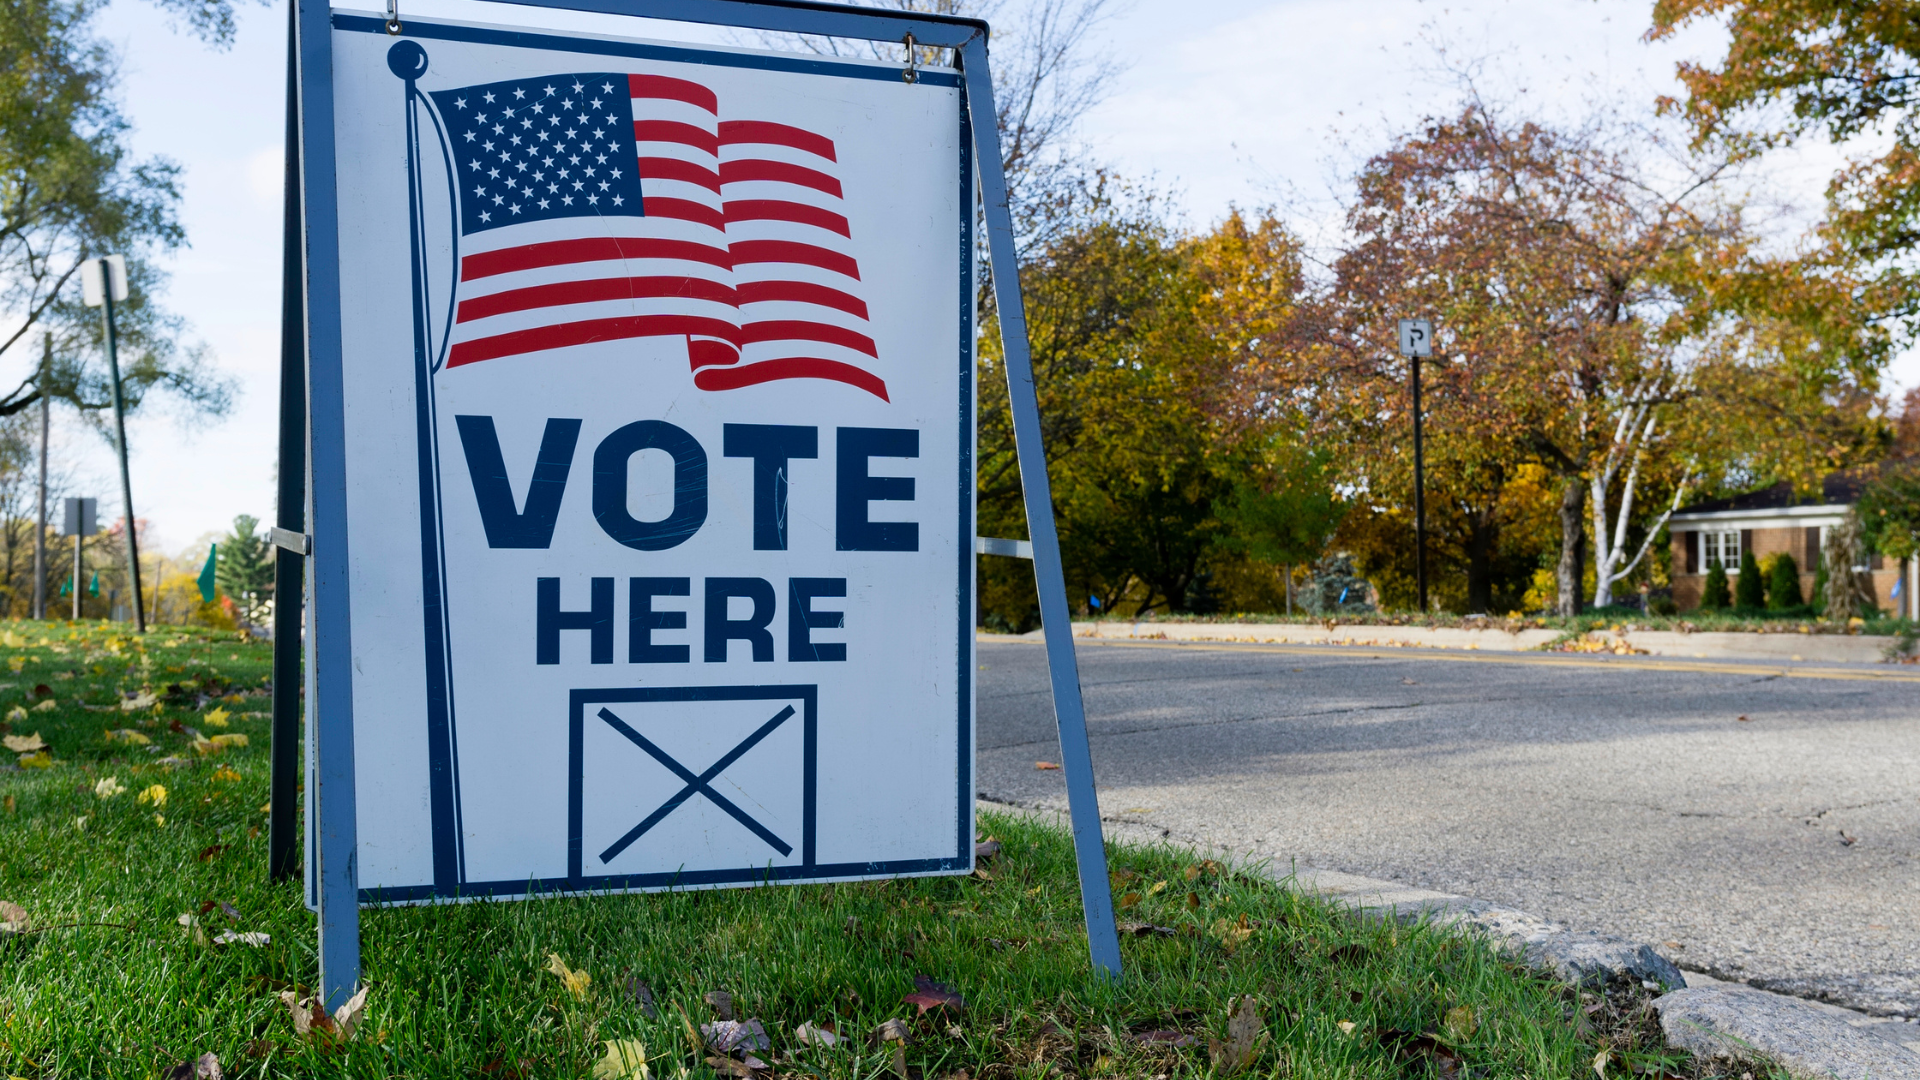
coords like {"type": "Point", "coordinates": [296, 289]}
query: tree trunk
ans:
{"type": "Point", "coordinates": [1481, 536]}
{"type": "Point", "coordinates": [1573, 546]}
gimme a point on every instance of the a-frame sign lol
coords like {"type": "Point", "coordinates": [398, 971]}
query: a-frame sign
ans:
{"type": "Point", "coordinates": [638, 443]}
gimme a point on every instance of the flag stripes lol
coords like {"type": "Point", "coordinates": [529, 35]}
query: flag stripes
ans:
{"type": "Point", "coordinates": [740, 245]}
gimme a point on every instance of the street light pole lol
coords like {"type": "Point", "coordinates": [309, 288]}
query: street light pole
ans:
{"type": "Point", "coordinates": [1416, 341]}
{"type": "Point", "coordinates": [112, 271]}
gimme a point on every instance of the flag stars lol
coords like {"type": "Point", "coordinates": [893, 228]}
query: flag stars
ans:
{"type": "Point", "coordinates": [549, 90]}
{"type": "Point", "coordinates": [487, 146]}
{"type": "Point", "coordinates": [566, 104]}
{"type": "Point", "coordinates": [593, 200]}
{"type": "Point", "coordinates": [475, 164]}
{"type": "Point", "coordinates": [499, 130]}
{"type": "Point", "coordinates": [493, 174]}
{"type": "Point", "coordinates": [459, 103]}
{"type": "Point", "coordinates": [469, 135]}
{"type": "Point", "coordinates": [577, 88]}
{"type": "Point", "coordinates": [525, 123]}
{"type": "Point", "coordinates": [479, 193]}
{"type": "Point", "coordinates": [566, 200]}
{"type": "Point", "coordinates": [487, 97]}
{"type": "Point", "coordinates": [518, 94]}
{"type": "Point", "coordinates": [543, 204]}
{"type": "Point", "coordinates": [485, 217]}
{"type": "Point", "coordinates": [515, 208]}
{"type": "Point", "coordinates": [515, 140]}
{"type": "Point", "coordinates": [618, 201]}
{"type": "Point", "coordinates": [507, 112]}
{"type": "Point", "coordinates": [499, 200]}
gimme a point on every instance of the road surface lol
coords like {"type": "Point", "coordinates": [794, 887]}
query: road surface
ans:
{"type": "Point", "coordinates": [1762, 821]}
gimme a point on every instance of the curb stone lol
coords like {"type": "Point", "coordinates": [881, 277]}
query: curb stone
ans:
{"type": "Point", "coordinates": [1707, 1017]}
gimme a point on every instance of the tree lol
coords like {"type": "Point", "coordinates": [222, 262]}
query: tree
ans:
{"type": "Point", "coordinates": [1843, 68]}
{"type": "Point", "coordinates": [1749, 592]}
{"type": "Point", "coordinates": [1849, 591]}
{"type": "Point", "coordinates": [1621, 334]}
{"type": "Point", "coordinates": [1783, 584]}
{"type": "Point", "coordinates": [73, 191]}
{"type": "Point", "coordinates": [244, 569]}
{"type": "Point", "coordinates": [1715, 597]}
{"type": "Point", "coordinates": [1889, 512]}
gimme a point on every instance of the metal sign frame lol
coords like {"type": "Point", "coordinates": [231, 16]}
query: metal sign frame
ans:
{"type": "Point", "coordinates": [313, 433]}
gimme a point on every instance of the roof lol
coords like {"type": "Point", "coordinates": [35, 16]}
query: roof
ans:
{"type": "Point", "coordinates": [1838, 489]}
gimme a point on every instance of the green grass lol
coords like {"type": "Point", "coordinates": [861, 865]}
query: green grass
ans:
{"type": "Point", "coordinates": [1730, 620]}
{"type": "Point", "coordinates": [464, 991]}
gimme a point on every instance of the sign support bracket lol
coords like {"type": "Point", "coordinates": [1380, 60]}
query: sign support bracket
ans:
{"type": "Point", "coordinates": [311, 452]}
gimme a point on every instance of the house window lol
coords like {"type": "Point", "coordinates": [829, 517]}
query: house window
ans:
{"type": "Point", "coordinates": [1723, 545]}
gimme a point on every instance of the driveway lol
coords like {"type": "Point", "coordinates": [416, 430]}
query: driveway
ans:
{"type": "Point", "coordinates": [1761, 821]}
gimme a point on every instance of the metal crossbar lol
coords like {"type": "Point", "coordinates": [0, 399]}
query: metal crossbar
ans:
{"type": "Point", "coordinates": [696, 785]}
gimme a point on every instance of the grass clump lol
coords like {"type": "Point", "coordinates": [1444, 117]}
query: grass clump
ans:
{"type": "Point", "coordinates": [109, 980]}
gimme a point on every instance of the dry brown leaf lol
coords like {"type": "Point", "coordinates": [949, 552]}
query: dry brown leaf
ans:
{"type": "Point", "coordinates": [728, 1036]}
{"type": "Point", "coordinates": [1460, 1022]}
{"type": "Point", "coordinates": [577, 982]}
{"type": "Point", "coordinates": [893, 1030]}
{"type": "Point", "coordinates": [642, 995]}
{"type": "Point", "coordinates": [721, 1002]}
{"type": "Point", "coordinates": [24, 744]}
{"type": "Point", "coordinates": [1046, 766]}
{"type": "Point", "coordinates": [13, 917]}
{"type": "Point", "coordinates": [928, 994]}
{"type": "Point", "coordinates": [1140, 929]}
{"type": "Point", "coordinates": [730, 1067]}
{"type": "Point", "coordinates": [1245, 1039]}
{"type": "Point", "coordinates": [816, 1034]}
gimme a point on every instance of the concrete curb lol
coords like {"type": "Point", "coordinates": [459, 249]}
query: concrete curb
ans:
{"type": "Point", "coordinates": [1842, 648]}
{"type": "Point", "coordinates": [1699, 1014]}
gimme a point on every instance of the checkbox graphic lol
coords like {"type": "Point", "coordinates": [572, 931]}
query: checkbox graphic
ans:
{"type": "Point", "coordinates": [699, 785]}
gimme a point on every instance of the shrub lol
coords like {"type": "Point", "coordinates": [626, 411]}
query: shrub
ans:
{"type": "Point", "coordinates": [1717, 596]}
{"type": "Point", "coordinates": [1783, 585]}
{"type": "Point", "coordinates": [1749, 592]}
{"type": "Point", "coordinates": [1818, 601]}
{"type": "Point", "coordinates": [1664, 605]}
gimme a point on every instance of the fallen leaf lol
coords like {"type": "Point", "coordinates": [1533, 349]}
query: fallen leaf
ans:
{"type": "Point", "coordinates": [18, 712]}
{"type": "Point", "coordinates": [1232, 934]}
{"type": "Point", "coordinates": [128, 736]}
{"type": "Point", "coordinates": [1847, 841]}
{"type": "Point", "coordinates": [1460, 1022]}
{"type": "Point", "coordinates": [208, 852]}
{"type": "Point", "coordinates": [1156, 888]}
{"type": "Point", "coordinates": [816, 1035]}
{"type": "Point", "coordinates": [1600, 1064]}
{"type": "Point", "coordinates": [41, 760]}
{"type": "Point", "coordinates": [1346, 1026]}
{"type": "Point", "coordinates": [139, 701]}
{"type": "Point", "coordinates": [722, 1002]}
{"type": "Point", "coordinates": [155, 794]}
{"type": "Point", "coordinates": [204, 1067]}
{"type": "Point", "coordinates": [225, 774]}
{"type": "Point", "coordinates": [625, 1059]}
{"type": "Point", "coordinates": [986, 849]}
{"type": "Point", "coordinates": [893, 1030]}
{"type": "Point", "coordinates": [216, 716]}
{"type": "Point", "coordinates": [347, 1017]}
{"type": "Point", "coordinates": [1128, 900]}
{"type": "Point", "coordinates": [728, 1036]}
{"type": "Point", "coordinates": [928, 994]}
{"type": "Point", "coordinates": [642, 995]}
{"type": "Point", "coordinates": [900, 1060]}
{"type": "Point", "coordinates": [1045, 766]}
{"type": "Point", "coordinates": [1140, 929]}
{"type": "Point", "coordinates": [730, 1067]}
{"type": "Point", "coordinates": [1245, 1039]}
{"type": "Point", "coordinates": [13, 918]}
{"type": "Point", "coordinates": [232, 739]}
{"type": "Point", "coordinates": [107, 787]}
{"type": "Point", "coordinates": [47, 706]}
{"type": "Point", "coordinates": [1744, 719]}
{"type": "Point", "coordinates": [24, 744]}
{"type": "Point", "coordinates": [576, 982]}
{"type": "Point", "coordinates": [191, 924]}
{"type": "Point", "coordinates": [1193, 901]}
{"type": "Point", "coordinates": [242, 937]}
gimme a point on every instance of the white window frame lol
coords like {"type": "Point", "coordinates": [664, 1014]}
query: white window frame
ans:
{"type": "Point", "coordinates": [1723, 544]}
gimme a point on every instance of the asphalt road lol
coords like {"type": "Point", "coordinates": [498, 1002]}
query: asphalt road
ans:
{"type": "Point", "coordinates": [1765, 827]}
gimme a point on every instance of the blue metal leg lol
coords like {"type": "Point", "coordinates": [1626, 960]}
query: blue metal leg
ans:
{"type": "Point", "coordinates": [1075, 757]}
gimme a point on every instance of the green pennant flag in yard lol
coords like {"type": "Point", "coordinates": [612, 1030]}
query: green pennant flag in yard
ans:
{"type": "Point", "coordinates": [93, 587]}
{"type": "Point", "coordinates": [206, 574]}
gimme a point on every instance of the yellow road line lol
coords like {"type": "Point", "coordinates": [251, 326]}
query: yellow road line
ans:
{"type": "Point", "coordinates": [1886, 674]}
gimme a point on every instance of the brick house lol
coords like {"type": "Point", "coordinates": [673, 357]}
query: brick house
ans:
{"type": "Point", "coordinates": [1766, 523]}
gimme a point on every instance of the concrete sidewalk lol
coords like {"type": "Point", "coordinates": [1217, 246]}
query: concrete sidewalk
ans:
{"type": "Point", "coordinates": [1829, 648]}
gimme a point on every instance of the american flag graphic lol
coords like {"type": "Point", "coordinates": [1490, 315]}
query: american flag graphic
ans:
{"type": "Point", "coordinates": [599, 206]}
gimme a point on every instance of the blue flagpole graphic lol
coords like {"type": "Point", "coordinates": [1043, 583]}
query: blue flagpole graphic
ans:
{"type": "Point", "coordinates": [409, 61]}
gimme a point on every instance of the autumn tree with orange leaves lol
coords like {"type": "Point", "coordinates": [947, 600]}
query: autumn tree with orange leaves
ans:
{"type": "Point", "coordinates": [1618, 332]}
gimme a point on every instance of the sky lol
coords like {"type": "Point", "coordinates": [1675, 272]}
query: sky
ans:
{"type": "Point", "coordinates": [1219, 103]}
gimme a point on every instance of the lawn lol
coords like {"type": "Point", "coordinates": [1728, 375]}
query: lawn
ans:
{"type": "Point", "coordinates": [982, 976]}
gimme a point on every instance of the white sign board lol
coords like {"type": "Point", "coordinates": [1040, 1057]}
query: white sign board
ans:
{"type": "Point", "coordinates": [658, 378]}
{"type": "Point", "coordinates": [1416, 337]}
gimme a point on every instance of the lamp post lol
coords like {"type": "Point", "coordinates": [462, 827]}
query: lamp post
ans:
{"type": "Point", "coordinates": [1416, 341]}
{"type": "Point", "coordinates": [104, 281]}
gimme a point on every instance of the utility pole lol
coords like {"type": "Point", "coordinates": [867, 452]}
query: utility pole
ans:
{"type": "Point", "coordinates": [104, 281]}
{"type": "Point", "coordinates": [1416, 341]}
{"type": "Point", "coordinates": [40, 501]}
